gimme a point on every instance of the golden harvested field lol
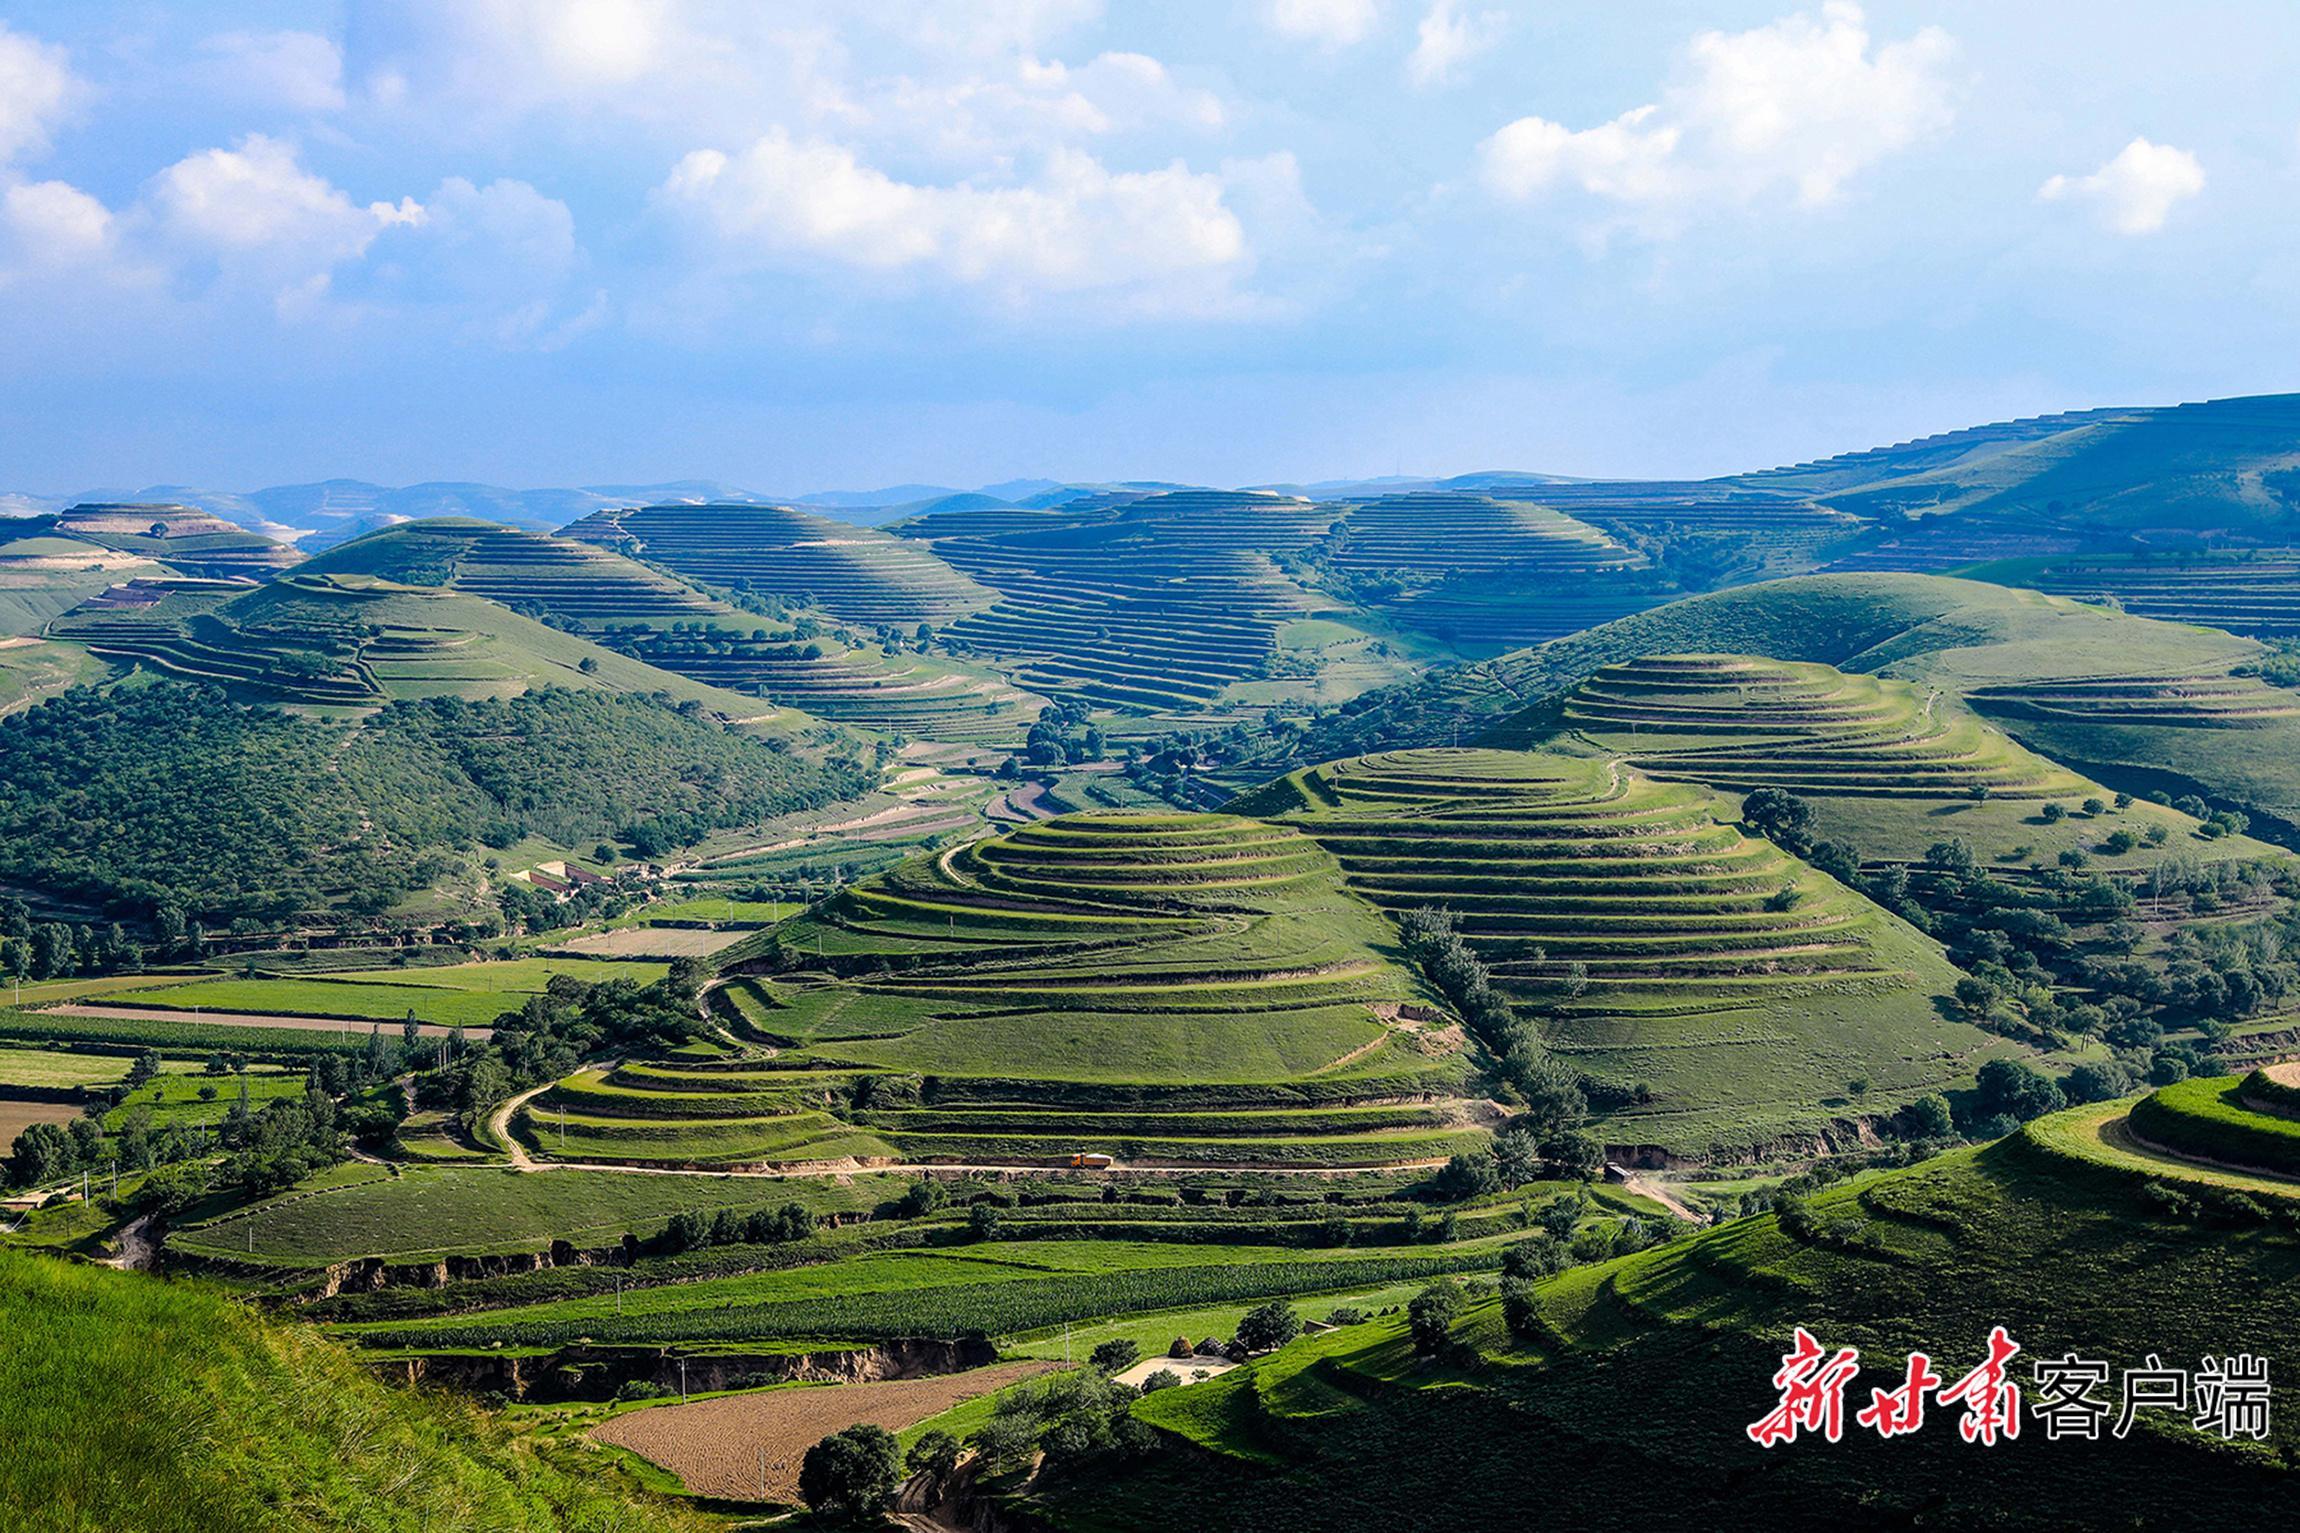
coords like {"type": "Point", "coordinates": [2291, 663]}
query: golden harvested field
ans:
{"type": "Point", "coordinates": [748, 1447]}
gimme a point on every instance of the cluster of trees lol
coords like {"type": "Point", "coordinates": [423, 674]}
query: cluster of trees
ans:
{"type": "Point", "coordinates": [551, 1034]}
{"type": "Point", "coordinates": [32, 949]}
{"type": "Point", "coordinates": [1063, 735]}
{"type": "Point", "coordinates": [692, 1230]}
{"type": "Point", "coordinates": [171, 806]}
{"type": "Point", "coordinates": [1555, 1101]}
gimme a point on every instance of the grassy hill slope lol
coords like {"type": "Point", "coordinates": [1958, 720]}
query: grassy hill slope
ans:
{"type": "Point", "coordinates": [1623, 1403]}
{"type": "Point", "coordinates": [662, 621]}
{"type": "Point", "coordinates": [162, 1407]}
{"type": "Point", "coordinates": [1168, 988]}
{"type": "Point", "coordinates": [2132, 703]}
{"type": "Point", "coordinates": [1735, 990]}
{"type": "Point", "coordinates": [1889, 767]}
{"type": "Point", "coordinates": [346, 641]}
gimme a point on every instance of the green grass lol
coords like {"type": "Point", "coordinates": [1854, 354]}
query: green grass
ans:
{"type": "Point", "coordinates": [1628, 1409]}
{"type": "Point", "coordinates": [995, 1289]}
{"type": "Point", "coordinates": [462, 995]}
{"type": "Point", "coordinates": [426, 1212]}
{"type": "Point", "coordinates": [176, 1100]}
{"type": "Point", "coordinates": [2208, 1117]}
{"type": "Point", "coordinates": [1745, 1022]}
{"type": "Point", "coordinates": [168, 1409]}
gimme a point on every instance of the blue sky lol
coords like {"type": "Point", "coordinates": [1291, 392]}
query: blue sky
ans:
{"type": "Point", "coordinates": [810, 245]}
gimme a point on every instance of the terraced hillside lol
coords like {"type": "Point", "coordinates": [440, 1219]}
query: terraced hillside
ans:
{"type": "Point", "coordinates": [1485, 574]}
{"type": "Point", "coordinates": [1741, 990]}
{"type": "Point", "coordinates": [1136, 603]}
{"type": "Point", "coordinates": [354, 641]}
{"type": "Point", "coordinates": [42, 575]}
{"type": "Point", "coordinates": [2047, 670]}
{"type": "Point", "coordinates": [2255, 592]}
{"type": "Point", "coordinates": [1191, 990]}
{"type": "Point", "coordinates": [661, 620]}
{"type": "Point", "coordinates": [1621, 1395]}
{"type": "Point", "coordinates": [854, 574]}
{"type": "Point", "coordinates": [1744, 531]}
{"type": "Point", "coordinates": [193, 542]}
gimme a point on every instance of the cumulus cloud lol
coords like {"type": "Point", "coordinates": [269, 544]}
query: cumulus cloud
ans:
{"type": "Point", "coordinates": [52, 225]}
{"type": "Point", "coordinates": [2135, 192]}
{"type": "Point", "coordinates": [256, 200]}
{"type": "Point", "coordinates": [1448, 38]}
{"type": "Point", "coordinates": [295, 71]}
{"type": "Point", "coordinates": [1077, 226]}
{"type": "Point", "coordinates": [37, 89]}
{"type": "Point", "coordinates": [1328, 23]}
{"type": "Point", "coordinates": [1801, 105]}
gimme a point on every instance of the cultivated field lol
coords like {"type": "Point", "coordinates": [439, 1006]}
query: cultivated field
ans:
{"type": "Point", "coordinates": [748, 1446]}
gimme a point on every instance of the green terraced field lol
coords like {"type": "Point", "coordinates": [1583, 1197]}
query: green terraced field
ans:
{"type": "Point", "coordinates": [2241, 1123]}
{"type": "Point", "coordinates": [1137, 603]}
{"type": "Point", "coordinates": [1889, 767]}
{"type": "Point", "coordinates": [851, 572]}
{"type": "Point", "coordinates": [1653, 939]}
{"type": "Point", "coordinates": [1186, 990]}
{"type": "Point", "coordinates": [1000, 1290]}
{"type": "Point", "coordinates": [1486, 574]}
{"type": "Point", "coordinates": [345, 641]}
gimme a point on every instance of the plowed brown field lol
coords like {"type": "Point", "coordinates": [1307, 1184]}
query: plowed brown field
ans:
{"type": "Point", "coordinates": [748, 1447]}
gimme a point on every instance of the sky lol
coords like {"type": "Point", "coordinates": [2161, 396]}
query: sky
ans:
{"type": "Point", "coordinates": [798, 246]}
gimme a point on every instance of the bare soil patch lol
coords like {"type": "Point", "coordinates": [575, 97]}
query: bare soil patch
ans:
{"type": "Point", "coordinates": [719, 1447]}
{"type": "Point", "coordinates": [16, 1116]}
{"type": "Point", "coordinates": [650, 942]}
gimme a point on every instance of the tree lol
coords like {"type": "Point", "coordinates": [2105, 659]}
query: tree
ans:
{"type": "Point", "coordinates": [852, 1475]}
{"type": "Point", "coordinates": [1164, 1378]}
{"type": "Point", "coordinates": [1432, 1313]}
{"type": "Point", "coordinates": [43, 1153]}
{"type": "Point", "coordinates": [2017, 1090]}
{"type": "Point", "coordinates": [1269, 1326]}
{"type": "Point", "coordinates": [934, 1456]}
{"type": "Point", "coordinates": [1928, 1117]}
{"type": "Point", "coordinates": [1467, 1176]}
{"type": "Point", "coordinates": [984, 1221]}
{"type": "Point", "coordinates": [1115, 1356]}
{"type": "Point", "coordinates": [1575, 1155]}
{"type": "Point", "coordinates": [1780, 817]}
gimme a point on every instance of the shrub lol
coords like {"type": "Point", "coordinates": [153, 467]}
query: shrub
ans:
{"type": "Point", "coordinates": [1519, 1311]}
{"type": "Point", "coordinates": [1432, 1314]}
{"type": "Point", "coordinates": [1115, 1356]}
{"type": "Point", "coordinates": [934, 1455]}
{"type": "Point", "coordinates": [1268, 1326]}
{"type": "Point", "coordinates": [1347, 1314]}
{"type": "Point", "coordinates": [852, 1475]}
{"type": "Point", "coordinates": [1164, 1378]}
{"type": "Point", "coordinates": [1538, 1257]}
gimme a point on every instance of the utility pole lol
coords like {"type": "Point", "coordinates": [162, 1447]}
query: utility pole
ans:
{"type": "Point", "coordinates": [682, 1381]}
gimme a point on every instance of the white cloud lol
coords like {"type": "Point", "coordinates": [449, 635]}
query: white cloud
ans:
{"type": "Point", "coordinates": [2135, 192]}
{"type": "Point", "coordinates": [1078, 226]}
{"type": "Point", "coordinates": [1630, 159]}
{"type": "Point", "coordinates": [1328, 23]}
{"type": "Point", "coordinates": [37, 89]}
{"type": "Point", "coordinates": [1450, 37]}
{"type": "Point", "coordinates": [55, 225]}
{"type": "Point", "coordinates": [294, 71]}
{"type": "Point", "coordinates": [1801, 105]}
{"type": "Point", "coordinates": [255, 209]}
